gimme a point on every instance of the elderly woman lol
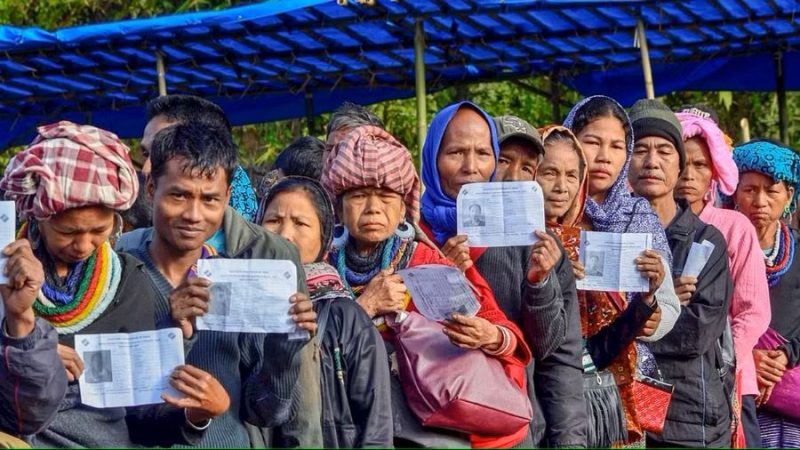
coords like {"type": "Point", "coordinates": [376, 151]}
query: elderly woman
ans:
{"type": "Point", "coordinates": [610, 320]}
{"type": "Point", "coordinates": [769, 178]}
{"type": "Point", "coordinates": [356, 396]}
{"type": "Point", "coordinates": [710, 168]}
{"type": "Point", "coordinates": [533, 284]}
{"type": "Point", "coordinates": [68, 186]}
{"type": "Point", "coordinates": [372, 177]}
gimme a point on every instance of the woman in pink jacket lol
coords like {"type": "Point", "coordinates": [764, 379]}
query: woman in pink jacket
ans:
{"type": "Point", "coordinates": [710, 167]}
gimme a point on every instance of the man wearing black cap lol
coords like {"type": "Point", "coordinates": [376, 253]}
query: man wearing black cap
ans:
{"type": "Point", "coordinates": [521, 149]}
{"type": "Point", "coordinates": [560, 415]}
{"type": "Point", "coordinates": [689, 356]}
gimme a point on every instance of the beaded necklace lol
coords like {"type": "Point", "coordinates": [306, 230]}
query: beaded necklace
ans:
{"type": "Point", "coordinates": [779, 258]}
{"type": "Point", "coordinates": [88, 291]}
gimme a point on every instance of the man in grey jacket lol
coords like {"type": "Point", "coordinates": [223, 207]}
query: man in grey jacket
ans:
{"type": "Point", "coordinates": [189, 185]}
{"type": "Point", "coordinates": [33, 378]}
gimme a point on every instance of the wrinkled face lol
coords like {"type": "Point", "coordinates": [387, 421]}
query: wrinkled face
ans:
{"type": "Point", "coordinates": [761, 198]}
{"type": "Point", "coordinates": [371, 215]}
{"type": "Point", "coordinates": [696, 177]}
{"type": "Point", "coordinates": [152, 128]}
{"type": "Point", "coordinates": [292, 215]}
{"type": "Point", "coordinates": [517, 162]}
{"type": "Point", "coordinates": [465, 154]}
{"type": "Point", "coordinates": [655, 167]}
{"type": "Point", "coordinates": [188, 206]}
{"type": "Point", "coordinates": [603, 141]}
{"type": "Point", "coordinates": [75, 234]}
{"type": "Point", "coordinates": [559, 174]}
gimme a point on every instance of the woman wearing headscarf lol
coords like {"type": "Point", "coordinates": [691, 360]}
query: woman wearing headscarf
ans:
{"type": "Point", "coordinates": [710, 168]}
{"type": "Point", "coordinates": [615, 324]}
{"type": "Point", "coordinates": [532, 284]}
{"type": "Point", "coordinates": [373, 180]}
{"type": "Point", "coordinates": [356, 396]}
{"type": "Point", "coordinates": [68, 186]}
{"type": "Point", "coordinates": [769, 178]}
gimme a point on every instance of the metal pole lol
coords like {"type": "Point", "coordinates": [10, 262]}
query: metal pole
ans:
{"type": "Point", "coordinates": [419, 72]}
{"type": "Point", "coordinates": [555, 96]}
{"type": "Point", "coordinates": [780, 85]}
{"type": "Point", "coordinates": [648, 71]}
{"type": "Point", "coordinates": [310, 113]}
{"type": "Point", "coordinates": [162, 74]}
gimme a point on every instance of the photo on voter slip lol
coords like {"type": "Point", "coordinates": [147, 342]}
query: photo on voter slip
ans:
{"type": "Point", "coordinates": [500, 214]}
{"type": "Point", "coordinates": [249, 295]}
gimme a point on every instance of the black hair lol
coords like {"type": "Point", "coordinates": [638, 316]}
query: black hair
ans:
{"type": "Point", "coordinates": [303, 157]}
{"type": "Point", "coordinates": [319, 198]}
{"type": "Point", "coordinates": [188, 108]}
{"type": "Point", "coordinates": [205, 148]}
{"type": "Point", "coordinates": [602, 107]}
{"type": "Point", "coordinates": [351, 115]}
{"type": "Point", "coordinates": [140, 214]}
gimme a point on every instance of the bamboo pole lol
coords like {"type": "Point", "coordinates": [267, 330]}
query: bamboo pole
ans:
{"type": "Point", "coordinates": [646, 68]}
{"type": "Point", "coordinates": [162, 74]}
{"type": "Point", "coordinates": [419, 73]}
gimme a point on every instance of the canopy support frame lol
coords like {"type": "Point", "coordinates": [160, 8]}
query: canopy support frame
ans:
{"type": "Point", "coordinates": [641, 38]}
{"type": "Point", "coordinates": [419, 75]}
{"type": "Point", "coordinates": [161, 73]}
{"type": "Point", "coordinates": [780, 88]}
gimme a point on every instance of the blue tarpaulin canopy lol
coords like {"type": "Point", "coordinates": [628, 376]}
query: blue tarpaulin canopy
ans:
{"type": "Point", "coordinates": [272, 60]}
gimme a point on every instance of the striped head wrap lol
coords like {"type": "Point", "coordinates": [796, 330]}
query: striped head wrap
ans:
{"type": "Point", "coordinates": [70, 166]}
{"type": "Point", "coordinates": [371, 157]}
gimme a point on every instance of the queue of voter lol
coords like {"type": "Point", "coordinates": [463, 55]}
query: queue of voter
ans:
{"type": "Point", "coordinates": [624, 279]}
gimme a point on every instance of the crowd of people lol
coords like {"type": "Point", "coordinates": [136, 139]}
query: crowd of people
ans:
{"type": "Point", "coordinates": [705, 360]}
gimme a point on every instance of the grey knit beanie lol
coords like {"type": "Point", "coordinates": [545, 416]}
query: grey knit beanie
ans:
{"type": "Point", "coordinates": [650, 117]}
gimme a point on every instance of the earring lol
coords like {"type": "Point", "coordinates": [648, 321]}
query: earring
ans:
{"type": "Point", "coordinates": [34, 236]}
{"type": "Point", "coordinates": [119, 223]}
{"type": "Point", "coordinates": [340, 236]}
{"type": "Point", "coordinates": [786, 210]}
{"type": "Point", "coordinates": [405, 231]}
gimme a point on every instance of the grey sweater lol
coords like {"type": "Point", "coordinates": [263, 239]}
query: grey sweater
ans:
{"type": "Point", "coordinates": [34, 379]}
{"type": "Point", "coordinates": [549, 315]}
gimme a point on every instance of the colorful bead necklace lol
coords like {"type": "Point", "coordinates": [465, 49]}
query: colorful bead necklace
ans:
{"type": "Point", "coordinates": [779, 258]}
{"type": "Point", "coordinates": [89, 289]}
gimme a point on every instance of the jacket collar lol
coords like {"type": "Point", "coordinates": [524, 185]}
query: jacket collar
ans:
{"type": "Point", "coordinates": [239, 233]}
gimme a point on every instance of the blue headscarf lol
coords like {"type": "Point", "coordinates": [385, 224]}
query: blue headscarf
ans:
{"type": "Point", "coordinates": [438, 208]}
{"type": "Point", "coordinates": [243, 196]}
{"type": "Point", "coordinates": [621, 211]}
{"type": "Point", "coordinates": [779, 162]}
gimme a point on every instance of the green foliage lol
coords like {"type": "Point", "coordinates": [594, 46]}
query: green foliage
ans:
{"type": "Point", "coordinates": [260, 143]}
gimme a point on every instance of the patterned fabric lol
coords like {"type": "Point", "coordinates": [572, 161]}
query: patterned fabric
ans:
{"type": "Point", "coordinates": [99, 281]}
{"type": "Point", "coordinates": [70, 166]}
{"type": "Point", "coordinates": [243, 196]}
{"type": "Point", "coordinates": [438, 208]}
{"type": "Point", "coordinates": [324, 282]}
{"type": "Point", "coordinates": [772, 159]}
{"type": "Point", "coordinates": [371, 157]}
{"type": "Point", "coordinates": [777, 432]}
{"type": "Point", "coordinates": [783, 254]}
{"type": "Point", "coordinates": [621, 212]}
{"type": "Point", "coordinates": [726, 175]}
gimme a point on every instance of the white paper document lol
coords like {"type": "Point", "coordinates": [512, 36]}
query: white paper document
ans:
{"type": "Point", "coordinates": [122, 369]}
{"type": "Point", "coordinates": [248, 295]}
{"type": "Point", "coordinates": [699, 254]}
{"type": "Point", "coordinates": [8, 227]}
{"type": "Point", "coordinates": [439, 291]}
{"type": "Point", "coordinates": [500, 214]}
{"type": "Point", "coordinates": [608, 259]}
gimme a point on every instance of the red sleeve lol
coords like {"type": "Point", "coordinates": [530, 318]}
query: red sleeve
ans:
{"type": "Point", "coordinates": [489, 308]}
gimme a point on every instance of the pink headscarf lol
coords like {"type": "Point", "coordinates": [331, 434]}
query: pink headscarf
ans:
{"type": "Point", "coordinates": [726, 175]}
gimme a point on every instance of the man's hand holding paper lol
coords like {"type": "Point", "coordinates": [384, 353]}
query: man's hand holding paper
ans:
{"type": "Point", "coordinates": [250, 296]}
